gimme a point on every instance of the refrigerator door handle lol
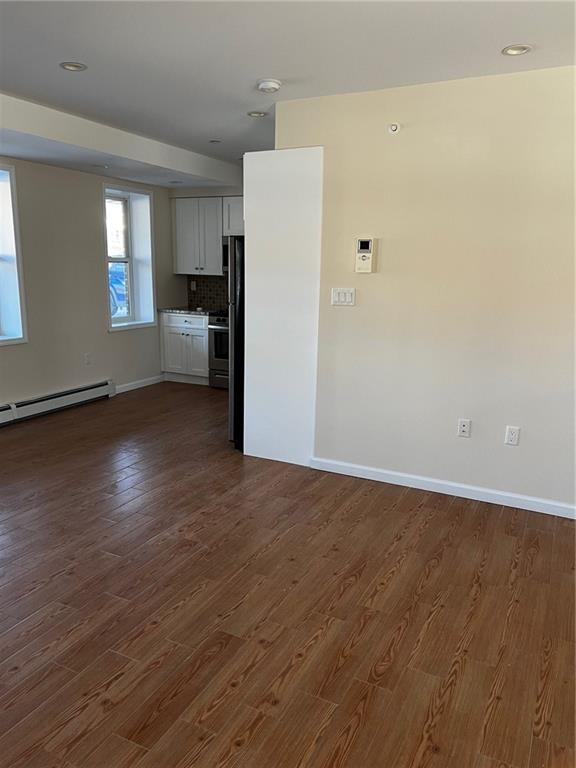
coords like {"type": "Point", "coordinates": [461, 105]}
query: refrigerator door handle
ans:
{"type": "Point", "coordinates": [231, 335]}
{"type": "Point", "coordinates": [231, 272]}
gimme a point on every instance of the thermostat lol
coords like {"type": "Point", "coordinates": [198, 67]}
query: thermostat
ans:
{"type": "Point", "coordinates": [365, 256]}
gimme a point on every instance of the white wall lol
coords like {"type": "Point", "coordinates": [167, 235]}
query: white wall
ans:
{"type": "Point", "coordinates": [471, 311]}
{"type": "Point", "coordinates": [63, 257]}
{"type": "Point", "coordinates": [283, 225]}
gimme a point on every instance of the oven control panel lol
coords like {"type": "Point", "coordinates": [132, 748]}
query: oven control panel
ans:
{"type": "Point", "coordinates": [218, 320]}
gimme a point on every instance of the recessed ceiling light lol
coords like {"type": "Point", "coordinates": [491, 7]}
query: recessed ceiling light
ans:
{"type": "Point", "coordinates": [176, 181]}
{"type": "Point", "coordinates": [269, 85]}
{"type": "Point", "coordinates": [255, 113]}
{"type": "Point", "coordinates": [518, 49]}
{"type": "Point", "coordinates": [73, 66]}
{"type": "Point", "coordinates": [215, 141]}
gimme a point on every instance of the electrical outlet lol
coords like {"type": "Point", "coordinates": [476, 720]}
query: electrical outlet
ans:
{"type": "Point", "coordinates": [193, 285]}
{"type": "Point", "coordinates": [512, 436]}
{"type": "Point", "coordinates": [87, 358]}
{"type": "Point", "coordinates": [464, 427]}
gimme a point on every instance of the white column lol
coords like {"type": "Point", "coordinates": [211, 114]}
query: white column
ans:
{"type": "Point", "coordinates": [283, 220]}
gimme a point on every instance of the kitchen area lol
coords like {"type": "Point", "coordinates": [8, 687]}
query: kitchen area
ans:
{"type": "Point", "coordinates": [203, 343]}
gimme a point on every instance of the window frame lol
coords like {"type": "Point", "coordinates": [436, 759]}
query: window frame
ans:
{"type": "Point", "coordinates": [23, 338]}
{"type": "Point", "coordinates": [124, 197]}
{"type": "Point", "coordinates": [114, 191]}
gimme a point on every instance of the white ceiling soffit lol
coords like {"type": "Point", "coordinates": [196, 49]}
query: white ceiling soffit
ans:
{"type": "Point", "coordinates": [34, 132]}
{"type": "Point", "coordinates": [185, 72]}
{"type": "Point", "coordinates": [39, 150]}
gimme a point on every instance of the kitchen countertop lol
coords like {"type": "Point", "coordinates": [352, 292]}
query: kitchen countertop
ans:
{"type": "Point", "coordinates": [184, 311]}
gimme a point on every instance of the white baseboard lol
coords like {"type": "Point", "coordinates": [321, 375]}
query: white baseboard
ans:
{"type": "Point", "coordinates": [178, 377]}
{"type": "Point", "coordinates": [532, 503]}
{"type": "Point", "coordinates": [183, 378]}
{"type": "Point", "coordinates": [120, 388]}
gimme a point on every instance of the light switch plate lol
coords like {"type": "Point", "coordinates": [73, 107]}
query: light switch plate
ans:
{"type": "Point", "coordinates": [344, 297]}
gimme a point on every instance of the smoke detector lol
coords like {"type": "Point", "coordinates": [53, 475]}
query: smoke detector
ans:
{"type": "Point", "coordinates": [269, 85]}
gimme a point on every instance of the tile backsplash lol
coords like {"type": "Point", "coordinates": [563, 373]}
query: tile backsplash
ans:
{"type": "Point", "coordinates": [211, 292]}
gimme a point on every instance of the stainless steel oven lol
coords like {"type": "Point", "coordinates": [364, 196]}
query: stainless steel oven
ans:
{"type": "Point", "coordinates": [218, 350]}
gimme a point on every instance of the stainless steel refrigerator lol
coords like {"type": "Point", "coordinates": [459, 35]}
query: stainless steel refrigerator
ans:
{"type": "Point", "coordinates": [236, 341]}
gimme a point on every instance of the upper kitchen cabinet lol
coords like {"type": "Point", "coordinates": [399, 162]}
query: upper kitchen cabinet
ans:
{"type": "Point", "coordinates": [186, 235]}
{"type": "Point", "coordinates": [198, 235]}
{"type": "Point", "coordinates": [210, 211]}
{"type": "Point", "coordinates": [233, 215]}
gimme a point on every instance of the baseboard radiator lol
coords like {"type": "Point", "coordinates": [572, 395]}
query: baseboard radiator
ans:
{"type": "Point", "coordinates": [25, 409]}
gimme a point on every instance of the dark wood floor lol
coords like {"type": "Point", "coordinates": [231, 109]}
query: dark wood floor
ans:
{"type": "Point", "coordinates": [166, 602]}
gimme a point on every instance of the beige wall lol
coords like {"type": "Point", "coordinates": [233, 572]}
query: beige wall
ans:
{"type": "Point", "coordinates": [471, 311]}
{"type": "Point", "coordinates": [62, 239]}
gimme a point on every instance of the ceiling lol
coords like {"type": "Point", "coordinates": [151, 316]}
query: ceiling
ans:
{"type": "Point", "coordinates": [185, 72]}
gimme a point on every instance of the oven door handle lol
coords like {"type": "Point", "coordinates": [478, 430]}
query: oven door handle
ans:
{"type": "Point", "coordinates": [218, 328]}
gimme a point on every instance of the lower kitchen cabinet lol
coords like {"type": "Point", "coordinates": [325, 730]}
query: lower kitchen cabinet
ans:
{"type": "Point", "coordinates": [184, 347]}
{"type": "Point", "coordinates": [197, 353]}
{"type": "Point", "coordinates": [173, 350]}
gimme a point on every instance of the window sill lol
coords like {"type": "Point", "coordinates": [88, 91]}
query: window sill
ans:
{"type": "Point", "coordinates": [6, 340]}
{"type": "Point", "coordinates": [131, 325]}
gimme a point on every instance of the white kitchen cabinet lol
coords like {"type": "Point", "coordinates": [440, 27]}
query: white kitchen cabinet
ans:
{"type": "Point", "coordinates": [185, 344]}
{"type": "Point", "coordinates": [186, 235]}
{"type": "Point", "coordinates": [197, 353]}
{"type": "Point", "coordinates": [233, 215]}
{"type": "Point", "coordinates": [174, 357]}
{"type": "Point", "coordinates": [210, 217]}
{"type": "Point", "coordinates": [198, 235]}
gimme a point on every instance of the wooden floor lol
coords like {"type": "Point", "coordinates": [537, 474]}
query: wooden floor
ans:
{"type": "Point", "coordinates": [166, 602]}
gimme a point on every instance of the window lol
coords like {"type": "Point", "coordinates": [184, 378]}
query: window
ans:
{"type": "Point", "coordinates": [129, 258]}
{"type": "Point", "coordinates": [11, 295]}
